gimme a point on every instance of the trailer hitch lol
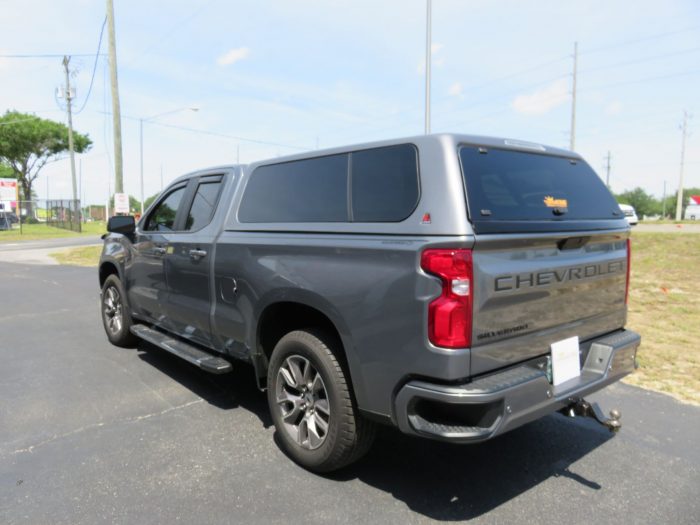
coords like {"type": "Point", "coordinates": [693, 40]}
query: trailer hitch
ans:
{"type": "Point", "coordinates": [581, 407]}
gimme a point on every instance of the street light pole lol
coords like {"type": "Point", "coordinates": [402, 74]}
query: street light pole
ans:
{"type": "Point", "coordinates": [151, 119]}
{"type": "Point", "coordinates": [141, 155]}
{"type": "Point", "coordinates": [428, 56]}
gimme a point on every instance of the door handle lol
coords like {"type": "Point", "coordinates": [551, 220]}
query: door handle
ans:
{"type": "Point", "coordinates": [160, 250]}
{"type": "Point", "coordinates": [197, 254]}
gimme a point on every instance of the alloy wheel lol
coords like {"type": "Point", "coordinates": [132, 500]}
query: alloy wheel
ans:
{"type": "Point", "coordinates": [303, 402]}
{"type": "Point", "coordinates": [113, 310]}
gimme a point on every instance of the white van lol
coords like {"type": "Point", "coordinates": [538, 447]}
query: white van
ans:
{"type": "Point", "coordinates": [630, 214]}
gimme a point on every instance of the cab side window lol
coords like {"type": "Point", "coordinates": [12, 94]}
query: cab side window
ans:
{"type": "Point", "coordinates": [203, 205]}
{"type": "Point", "coordinates": [162, 218]}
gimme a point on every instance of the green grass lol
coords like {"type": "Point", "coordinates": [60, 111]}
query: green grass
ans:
{"type": "Point", "coordinates": [664, 307]}
{"type": "Point", "coordinates": [87, 256]}
{"type": "Point", "coordinates": [33, 232]}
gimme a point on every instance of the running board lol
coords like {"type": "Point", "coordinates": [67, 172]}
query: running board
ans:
{"type": "Point", "coordinates": [183, 350]}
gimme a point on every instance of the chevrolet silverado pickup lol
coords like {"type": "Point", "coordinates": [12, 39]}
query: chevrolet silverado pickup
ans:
{"type": "Point", "coordinates": [452, 286]}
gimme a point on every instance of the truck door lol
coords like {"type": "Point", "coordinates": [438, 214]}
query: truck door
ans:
{"type": "Point", "coordinates": [146, 284]}
{"type": "Point", "coordinates": [188, 266]}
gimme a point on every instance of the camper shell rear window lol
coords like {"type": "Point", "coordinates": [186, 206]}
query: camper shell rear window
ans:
{"type": "Point", "coordinates": [510, 190]}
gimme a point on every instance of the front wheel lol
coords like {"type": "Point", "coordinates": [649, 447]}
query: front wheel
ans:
{"type": "Point", "coordinates": [317, 420]}
{"type": "Point", "coordinates": [116, 315]}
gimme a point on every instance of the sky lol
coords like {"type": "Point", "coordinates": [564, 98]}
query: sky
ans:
{"type": "Point", "coordinates": [275, 77]}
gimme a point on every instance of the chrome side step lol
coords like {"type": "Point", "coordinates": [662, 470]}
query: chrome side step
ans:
{"type": "Point", "coordinates": [191, 354]}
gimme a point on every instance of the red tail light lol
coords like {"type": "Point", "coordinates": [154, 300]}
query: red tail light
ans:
{"type": "Point", "coordinates": [450, 315]}
{"type": "Point", "coordinates": [629, 266]}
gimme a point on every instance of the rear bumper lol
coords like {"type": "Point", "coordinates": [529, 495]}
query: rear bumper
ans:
{"type": "Point", "coordinates": [497, 403]}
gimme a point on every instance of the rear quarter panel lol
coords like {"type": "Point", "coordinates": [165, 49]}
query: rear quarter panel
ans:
{"type": "Point", "coordinates": [371, 287]}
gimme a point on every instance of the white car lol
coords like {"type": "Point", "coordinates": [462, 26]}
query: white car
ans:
{"type": "Point", "coordinates": [630, 214]}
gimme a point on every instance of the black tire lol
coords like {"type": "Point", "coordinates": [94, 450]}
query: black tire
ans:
{"type": "Point", "coordinates": [116, 314]}
{"type": "Point", "coordinates": [348, 436]}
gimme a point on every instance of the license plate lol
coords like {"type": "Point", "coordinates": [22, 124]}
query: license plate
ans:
{"type": "Point", "coordinates": [566, 363]}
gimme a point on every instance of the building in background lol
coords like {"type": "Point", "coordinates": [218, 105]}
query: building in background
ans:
{"type": "Point", "coordinates": [692, 211]}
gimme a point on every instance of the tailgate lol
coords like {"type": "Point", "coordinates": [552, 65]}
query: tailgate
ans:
{"type": "Point", "coordinates": [550, 257]}
{"type": "Point", "coordinates": [531, 291]}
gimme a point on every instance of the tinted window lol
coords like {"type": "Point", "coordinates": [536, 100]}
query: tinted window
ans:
{"type": "Point", "coordinates": [162, 218]}
{"type": "Point", "coordinates": [384, 183]}
{"type": "Point", "coordinates": [203, 205]}
{"type": "Point", "coordinates": [517, 186]}
{"type": "Point", "coordinates": [313, 190]}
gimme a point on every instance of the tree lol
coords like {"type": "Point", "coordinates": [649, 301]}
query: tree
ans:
{"type": "Point", "coordinates": [28, 142]}
{"type": "Point", "coordinates": [134, 204]}
{"type": "Point", "coordinates": [149, 201]}
{"type": "Point", "coordinates": [6, 172]}
{"type": "Point", "coordinates": [643, 202]}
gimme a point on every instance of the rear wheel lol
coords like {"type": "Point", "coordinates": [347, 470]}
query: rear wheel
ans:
{"type": "Point", "coordinates": [317, 420]}
{"type": "Point", "coordinates": [116, 315]}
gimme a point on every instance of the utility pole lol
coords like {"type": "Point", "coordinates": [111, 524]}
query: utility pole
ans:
{"type": "Point", "coordinates": [69, 98]}
{"type": "Point", "coordinates": [572, 135]}
{"type": "Point", "coordinates": [428, 53]}
{"type": "Point", "coordinates": [679, 197]}
{"type": "Point", "coordinates": [116, 111]}
{"type": "Point", "coordinates": [80, 187]}
{"type": "Point", "coordinates": [607, 170]}
{"type": "Point", "coordinates": [663, 203]}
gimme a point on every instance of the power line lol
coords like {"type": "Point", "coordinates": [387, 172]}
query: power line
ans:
{"type": "Point", "coordinates": [94, 67]}
{"type": "Point", "coordinates": [167, 34]}
{"type": "Point", "coordinates": [410, 109]}
{"type": "Point", "coordinates": [225, 135]}
{"type": "Point", "coordinates": [530, 69]}
{"type": "Point", "coordinates": [217, 134]}
{"type": "Point", "coordinates": [637, 40]}
{"type": "Point", "coordinates": [648, 79]}
{"type": "Point", "coordinates": [49, 55]}
{"type": "Point", "coordinates": [641, 60]}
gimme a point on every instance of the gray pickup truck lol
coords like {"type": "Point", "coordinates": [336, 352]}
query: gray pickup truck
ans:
{"type": "Point", "coordinates": [453, 286]}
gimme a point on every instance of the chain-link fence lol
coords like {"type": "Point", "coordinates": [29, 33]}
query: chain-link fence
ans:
{"type": "Point", "coordinates": [66, 214]}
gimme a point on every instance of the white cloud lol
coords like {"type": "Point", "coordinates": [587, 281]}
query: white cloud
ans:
{"type": "Point", "coordinates": [542, 100]}
{"type": "Point", "coordinates": [456, 89]}
{"type": "Point", "coordinates": [234, 55]}
{"type": "Point", "coordinates": [435, 47]}
{"type": "Point", "coordinates": [613, 108]}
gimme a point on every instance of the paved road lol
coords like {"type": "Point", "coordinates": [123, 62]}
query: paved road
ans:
{"type": "Point", "coordinates": [37, 251]}
{"type": "Point", "coordinates": [62, 242]}
{"type": "Point", "coordinates": [90, 433]}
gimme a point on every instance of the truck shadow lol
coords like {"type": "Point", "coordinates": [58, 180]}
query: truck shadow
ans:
{"type": "Point", "coordinates": [459, 482]}
{"type": "Point", "coordinates": [233, 390]}
{"type": "Point", "coordinates": [438, 480]}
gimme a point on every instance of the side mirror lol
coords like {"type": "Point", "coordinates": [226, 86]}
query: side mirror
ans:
{"type": "Point", "coordinates": [124, 224]}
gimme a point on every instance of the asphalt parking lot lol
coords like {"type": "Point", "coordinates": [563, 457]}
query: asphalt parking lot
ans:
{"type": "Point", "coordinates": [91, 433]}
